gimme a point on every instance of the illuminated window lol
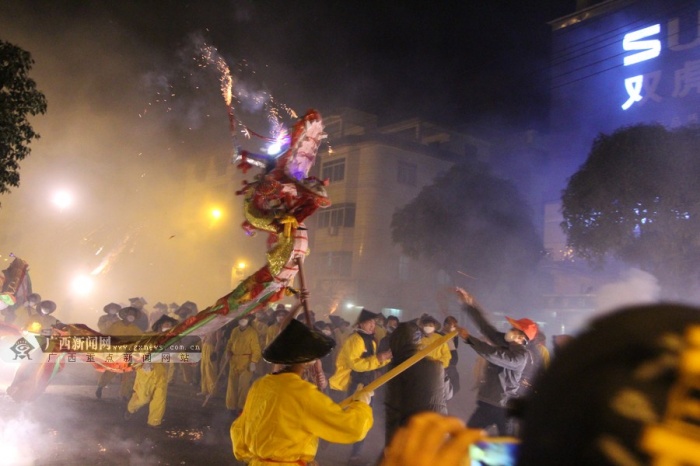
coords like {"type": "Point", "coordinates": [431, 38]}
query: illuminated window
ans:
{"type": "Point", "coordinates": [333, 170]}
{"type": "Point", "coordinates": [336, 263]}
{"type": "Point", "coordinates": [407, 173]}
{"type": "Point", "coordinates": [341, 215]}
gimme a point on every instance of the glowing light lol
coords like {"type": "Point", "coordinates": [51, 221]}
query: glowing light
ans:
{"type": "Point", "coordinates": [649, 48]}
{"type": "Point", "coordinates": [62, 199]}
{"type": "Point", "coordinates": [634, 90]}
{"type": "Point", "coordinates": [34, 327]}
{"type": "Point", "coordinates": [82, 285]}
{"type": "Point", "coordinates": [241, 265]}
{"type": "Point", "coordinates": [274, 148]}
{"type": "Point", "coordinates": [216, 213]}
{"type": "Point", "coordinates": [349, 306]}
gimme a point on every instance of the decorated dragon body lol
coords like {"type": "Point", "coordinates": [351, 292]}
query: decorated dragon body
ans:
{"type": "Point", "coordinates": [277, 202]}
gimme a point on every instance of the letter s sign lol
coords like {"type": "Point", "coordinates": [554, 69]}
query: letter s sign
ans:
{"type": "Point", "coordinates": [650, 48]}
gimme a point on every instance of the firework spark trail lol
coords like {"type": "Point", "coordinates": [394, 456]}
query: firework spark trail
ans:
{"type": "Point", "coordinates": [212, 57]}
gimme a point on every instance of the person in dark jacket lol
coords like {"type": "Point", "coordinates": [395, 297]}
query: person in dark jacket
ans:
{"type": "Point", "coordinates": [505, 361]}
{"type": "Point", "coordinates": [419, 388]}
{"type": "Point", "coordinates": [451, 372]}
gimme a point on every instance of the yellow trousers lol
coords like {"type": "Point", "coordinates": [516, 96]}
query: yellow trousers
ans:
{"type": "Point", "coordinates": [150, 387]}
{"type": "Point", "coordinates": [238, 385]}
{"type": "Point", "coordinates": [209, 369]}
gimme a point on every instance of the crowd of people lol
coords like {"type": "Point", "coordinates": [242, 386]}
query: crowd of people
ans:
{"type": "Point", "coordinates": [292, 380]}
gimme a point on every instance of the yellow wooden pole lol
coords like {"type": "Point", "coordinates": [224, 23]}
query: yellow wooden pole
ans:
{"type": "Point", "coordinates": [379, 381]}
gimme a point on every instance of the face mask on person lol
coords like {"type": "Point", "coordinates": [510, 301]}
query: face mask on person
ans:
{"type": "Point", "coordinates": [326, 332]}
{"type": "Point", "coordinates": [44, 311]}
{"type": "Point", "coordinates": [130, 318]}
{"type": "Point", "coordinates": [280, 319]}
{"type": "Point", "coordinates": [243, 322]}
{"type": "Point", "coordinates": [428, 329]}
{"type": "Point", "coordinates": [166, 329]}
{"type": "Point", "coordinates": [112, 312]}
{"type": "Point", "coordinates": [390, 328]}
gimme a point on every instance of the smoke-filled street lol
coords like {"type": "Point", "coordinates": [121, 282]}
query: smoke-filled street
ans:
{"type": "Point", "coordinates": [68, 425]}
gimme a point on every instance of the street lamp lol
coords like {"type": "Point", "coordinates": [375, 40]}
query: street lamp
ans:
{"type": "Point", "coordinates": [238, 272]}
{"type": "Point", "coordinates": [82, 285]}
{"type": "Point", "coordinates": [62, 199]}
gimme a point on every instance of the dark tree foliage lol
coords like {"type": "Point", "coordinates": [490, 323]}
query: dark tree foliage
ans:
{"type": "Point", "coordinates": [468, 220]}
{"type": "Point", "coordinates": [637, 198]}
{"type": "Point", "coordinates": [19, 98]}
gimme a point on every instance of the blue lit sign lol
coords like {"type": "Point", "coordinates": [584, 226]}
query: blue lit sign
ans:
{"type": "Point", "coordinates": [646, 45]}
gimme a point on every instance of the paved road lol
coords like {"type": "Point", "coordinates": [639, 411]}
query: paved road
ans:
{"type": "Point", "coordinates": [69, 426]}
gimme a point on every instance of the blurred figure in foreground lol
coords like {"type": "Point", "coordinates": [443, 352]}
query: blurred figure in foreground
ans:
{"type": "Point", "coordinates": [284, 416]}
{"type": "Point", "coordinates": [626, 390]}
{"type": "Point", "coordinates": [431, 439]}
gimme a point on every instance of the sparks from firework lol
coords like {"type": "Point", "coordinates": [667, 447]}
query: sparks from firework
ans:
{"type": "Point", "coordinates": [279, 136]}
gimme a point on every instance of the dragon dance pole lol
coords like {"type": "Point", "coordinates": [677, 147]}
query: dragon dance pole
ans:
{"type": "Point", "coordinates": [319, 376]}
{"type": "Point", "coordinates": [378, 382]}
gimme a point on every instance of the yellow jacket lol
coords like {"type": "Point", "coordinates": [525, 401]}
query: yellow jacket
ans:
{"type": "Point", "coordinates": [244, 346]}
{"type": "Point", "coordinates": [284, 416]}
{"type": "Point", "coordinates": [379, 333]}
{"type": "Point", "coordinates": [261, 328]}
{"type": "Point", "coordinates": [350, 359]}
{"type": "Point", "coordinates": [441, 353]}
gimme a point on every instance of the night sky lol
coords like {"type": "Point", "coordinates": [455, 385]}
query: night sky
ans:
{"type": "Point", "coordinates": [130, 112]}
{"type": "Point", "coordinates": [449, 61]}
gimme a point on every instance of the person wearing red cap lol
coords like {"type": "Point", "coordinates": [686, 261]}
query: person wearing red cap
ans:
{"type": "Point", "coordinates": [506, 358]}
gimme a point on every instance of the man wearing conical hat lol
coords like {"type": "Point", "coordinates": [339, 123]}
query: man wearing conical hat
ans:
{"type": "Point", "coordinates": [284, 416]}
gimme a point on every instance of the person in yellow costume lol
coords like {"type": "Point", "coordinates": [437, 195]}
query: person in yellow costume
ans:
{"type": "Point", "coordinates": [126, 326]}
{"type": "Point", "coordinates": [430, 325]}
{"type": "Point", "coordinates": [151, 385]}
{"type": "Point", "coordinates": [260, 324]}
{"type": "Point", "coordinates": [243, 351]}
{"type": "Point", "coordinates": [284, 416]}
{"type": "Point", "coordinates": [357, 363]}
{"type": "Point", "coordinates": [209, 365]}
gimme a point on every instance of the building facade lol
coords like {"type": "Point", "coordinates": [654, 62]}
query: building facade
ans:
{"type": "Point", "coordinates": [372, 172]}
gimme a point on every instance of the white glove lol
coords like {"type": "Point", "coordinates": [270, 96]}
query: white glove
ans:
{"type": "Point", "coordinates": [251, 367]}
{"type": "Point", "coordinates": [359, 395]}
